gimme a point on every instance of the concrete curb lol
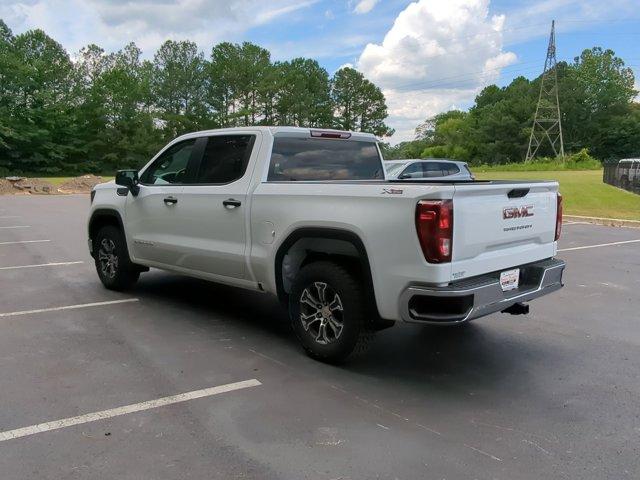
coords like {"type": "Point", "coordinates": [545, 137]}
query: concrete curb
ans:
{"type": "Point", "coordinates": [610, 222]}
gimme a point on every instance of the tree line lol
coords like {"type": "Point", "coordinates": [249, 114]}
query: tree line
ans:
{"type": "Point", "coordinates": [98, 111]}
{"type": "Point", "coordinates": [598, 113]}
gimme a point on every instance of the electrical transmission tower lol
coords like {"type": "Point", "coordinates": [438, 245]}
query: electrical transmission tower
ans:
{"type": "Point", "coordinates": [547, 125]}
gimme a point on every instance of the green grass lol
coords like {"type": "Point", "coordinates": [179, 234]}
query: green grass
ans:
{"type": "Point", "coordinates": [584, 192]}
{"type": "Point", "coordinates": [57, 181]}
{"type": "Point", "coordinates": [539, 167]}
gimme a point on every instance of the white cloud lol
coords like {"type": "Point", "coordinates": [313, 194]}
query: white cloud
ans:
{"type": "Point", "coordinates": [113, 23]}
{"type": "Point", "coordinates": [437, 55]}
{"type": "Point", "coordinates": [365, 6]}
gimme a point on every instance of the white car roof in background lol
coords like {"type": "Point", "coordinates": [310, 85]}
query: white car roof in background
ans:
{"type": "Point", "coordinates": [409, 160]}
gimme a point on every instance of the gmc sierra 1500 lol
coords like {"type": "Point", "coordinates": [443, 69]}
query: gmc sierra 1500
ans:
{"type": "Point", "coordinates": [308, 216]}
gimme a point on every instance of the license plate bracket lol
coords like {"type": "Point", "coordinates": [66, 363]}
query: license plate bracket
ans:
{"type": "Point", "coordinates": [510, 279]}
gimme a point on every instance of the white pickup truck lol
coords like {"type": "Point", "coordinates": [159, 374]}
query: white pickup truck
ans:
{"type": "Point", "coordinates": [306, 215]}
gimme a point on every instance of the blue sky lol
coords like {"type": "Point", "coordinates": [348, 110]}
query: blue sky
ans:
{"type": "Point", "coordinates": [426, 55]}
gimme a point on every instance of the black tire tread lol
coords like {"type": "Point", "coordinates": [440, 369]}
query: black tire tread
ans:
{"type": "Point", "coordinates": [128, 272]}
{"type": "Point", "coordinates": [355, 286]}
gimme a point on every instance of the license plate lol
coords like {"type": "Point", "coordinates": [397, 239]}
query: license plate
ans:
{"type": "Point", "coordinates": [510, 279]}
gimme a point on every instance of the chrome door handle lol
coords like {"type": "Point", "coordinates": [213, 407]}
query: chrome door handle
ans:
{"type": "Point", "coordinates": [231, 203]}
{"type": "Point", "coordinates": [170, 201]}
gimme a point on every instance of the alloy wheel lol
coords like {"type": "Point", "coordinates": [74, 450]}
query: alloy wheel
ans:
{"type": "Point", "coordinates": [108, 258]}
{"type": "Point", "coordinates": [321, 312]}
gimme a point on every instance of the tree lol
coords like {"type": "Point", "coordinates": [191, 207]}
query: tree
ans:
{"type": "Point", "coordinates": [239, 78]}
{"type": "Point", "coordinates": [304, 96]}
{"type": "Point", "coordinates": [100, 111]}
{"type": "Point", "coordinates": [595, 88]}
{"type": "Point", "coordinates": [596, 101]}
{"type": "Point", "coordinates": [358, 103]}
{"type": "Point", "coordinates": [178, 86]}
{"type": "Point", "coordinates": [38, 97]}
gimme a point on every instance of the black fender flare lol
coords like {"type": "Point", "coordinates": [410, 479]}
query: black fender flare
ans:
{"type": "Point", "coordinates": [101, 214]}
{"type": "Point", "coordinates": [326, 233]}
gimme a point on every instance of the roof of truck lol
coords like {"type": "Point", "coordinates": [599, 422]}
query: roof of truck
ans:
{"type": "Point", "coordinates": [284, 130]}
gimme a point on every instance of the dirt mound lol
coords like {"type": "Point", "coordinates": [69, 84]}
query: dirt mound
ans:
{"type": "Point", "coordinates": [18, 185]}
{"type": "Point", "coordinates": [82, 184]}
{"type": "Point", "coordinates": [6, 187]}
{"type": "Point", "coordinates": [33, 185]}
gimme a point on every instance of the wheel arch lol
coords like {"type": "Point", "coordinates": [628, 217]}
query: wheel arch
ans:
{"type": "Point", "coordinates": [101, 217]}
{"type": "Point", "coordinates": [323, 242]}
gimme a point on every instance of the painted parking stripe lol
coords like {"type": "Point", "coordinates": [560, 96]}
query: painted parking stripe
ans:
{"type": "Point", "coordinates": [17, 226]}
{"type": "Point", "coordinates": [55, 264]}
{"type": "Point", "coordinates": [116, 412]}
{"type": "Point", "coordinates": [599, 245]}
{"type": "Point", "coordinates": [68, 307]}
{"type": "Point", "coordinates": [9, 216]}
{"type": "Point", "coordinates": [24, 241]}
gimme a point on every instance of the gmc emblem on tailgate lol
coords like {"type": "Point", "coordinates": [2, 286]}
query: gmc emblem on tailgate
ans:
{"type": "Point", "coordinates": [517, 212]}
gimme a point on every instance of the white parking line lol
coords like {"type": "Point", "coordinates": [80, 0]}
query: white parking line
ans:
{"type": "Point", "coordinates": [136, 407]}
{"type": "Point", "coordinates": [9, 216]}
{"type": "Point", "coordinates": [56, 264]}
{"type": "Point", "coordinates": [18, 226]}
{"type": "Point", "coordinates": [68, 307]}
{"type": "Point", "coordinates": [24, 241]}
{"type": "Point", "coordinates": [599, 245]}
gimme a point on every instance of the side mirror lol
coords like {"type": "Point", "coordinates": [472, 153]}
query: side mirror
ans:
{"type": "Point", "coordinates": [129, 179]}
{"type": "Point", "coordinates": [404, 176]}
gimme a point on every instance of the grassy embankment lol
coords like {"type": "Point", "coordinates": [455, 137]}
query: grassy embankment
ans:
{"type": "Point", "coordinates": [583, 190]}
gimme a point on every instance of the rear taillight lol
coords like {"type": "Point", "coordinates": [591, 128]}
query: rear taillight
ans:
{"type": "Point", "coordinates": [559, 217]}
{"type": "Point", "coordinates": [434, 224]}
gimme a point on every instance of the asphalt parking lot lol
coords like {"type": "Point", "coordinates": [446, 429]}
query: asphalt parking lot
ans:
{"type": "Point", "coordinates": [123, 385]}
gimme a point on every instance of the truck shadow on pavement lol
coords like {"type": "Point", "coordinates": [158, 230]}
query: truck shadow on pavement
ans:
{"type": "Point", "coordinates": [485, 354]}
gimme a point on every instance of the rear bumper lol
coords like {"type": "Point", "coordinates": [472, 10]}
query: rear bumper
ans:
{"type": "Point", "coordinates": [478, 296]}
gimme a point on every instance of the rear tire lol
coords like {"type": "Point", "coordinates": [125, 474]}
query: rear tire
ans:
{"type": "Point", "coordinates": [114, 267]}
{"type": "Point", "coordinates": [328, 311]}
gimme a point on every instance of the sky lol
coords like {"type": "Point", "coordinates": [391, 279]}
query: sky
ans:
{"type": "Point", "coordinates": [427, 56]}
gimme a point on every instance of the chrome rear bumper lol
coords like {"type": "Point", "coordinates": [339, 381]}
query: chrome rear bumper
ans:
{"type": "Point", "coordinates": [478, 296]}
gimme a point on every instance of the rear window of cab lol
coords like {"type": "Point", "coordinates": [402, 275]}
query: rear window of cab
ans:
{"type": "Point", "coordinates": [308, 159]}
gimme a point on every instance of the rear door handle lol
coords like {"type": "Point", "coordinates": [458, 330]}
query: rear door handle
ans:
{"type": "Point", "coordinates": [170, 200]}
{"type": "Point", "coordinates": [231, 203]}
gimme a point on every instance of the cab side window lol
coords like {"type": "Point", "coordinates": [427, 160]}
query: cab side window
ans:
{"type": "Point", "coordinates": [171, 167]}
{"type": "Point", "coordinates": [225, 158]}
{"type": "Point", "coordinates": [413, 171]}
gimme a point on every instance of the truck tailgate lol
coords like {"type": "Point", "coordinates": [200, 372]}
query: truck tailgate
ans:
{"type": "Point", "coordinates": [501, 225]}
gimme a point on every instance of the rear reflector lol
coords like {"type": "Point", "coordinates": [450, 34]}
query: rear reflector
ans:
{"type": "Point", "coordinates": [325, 134]}
{"type": "Point", "coordinates": [559, 217]}
{"type": "Point", "coordinates": [434, 224]}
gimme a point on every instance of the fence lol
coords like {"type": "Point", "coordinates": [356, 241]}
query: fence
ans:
{"type": "Point", "coordinates": [626, 177]}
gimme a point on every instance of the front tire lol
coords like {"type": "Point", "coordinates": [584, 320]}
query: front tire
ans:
{"type": "Point", "coordinates": [328, 311]}
{"type": "Point", "coordinates": [114, 267]}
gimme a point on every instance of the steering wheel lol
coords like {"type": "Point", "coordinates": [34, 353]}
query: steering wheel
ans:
{"type": "Point", "coordinates": [173, 177]}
